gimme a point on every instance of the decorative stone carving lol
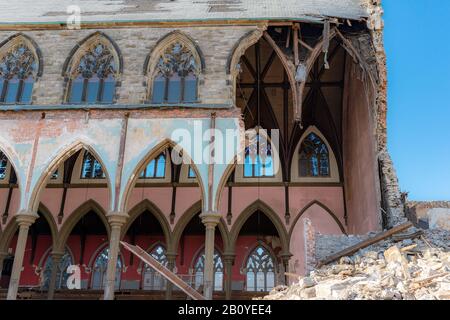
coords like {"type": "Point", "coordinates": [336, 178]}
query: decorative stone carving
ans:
{"type": "Point", "coordinates": [177, 59]}
{"type": "Point", "coordinates": [98, 60]}
{"type": "Point", "coordinates": [18, 61]}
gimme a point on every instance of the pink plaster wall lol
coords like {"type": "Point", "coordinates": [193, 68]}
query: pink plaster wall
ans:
{"type": "Point", "coordinates": [331, 197]}
{"type": "Point", "coordinates": [321, 222]}
{"type": "Point", "coordinates": [161, 197]}
{"type": "Point", "coordinates": [361, 180]}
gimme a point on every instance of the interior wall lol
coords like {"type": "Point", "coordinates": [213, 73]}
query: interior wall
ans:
{"type": "Point", "coordinates": [360, 169]}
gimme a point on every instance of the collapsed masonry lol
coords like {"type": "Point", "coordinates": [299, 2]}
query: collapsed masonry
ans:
{"type": "Point", "coordinates": [399, 268]}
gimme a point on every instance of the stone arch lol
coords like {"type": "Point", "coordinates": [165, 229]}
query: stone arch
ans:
{"type": "Point", "coordinates": [335, 173]}
{"type": "Point", "coordinates": [324, 207]}
{"type": "Point", "coordinates": [50, 221]}
{"type": "Point", "coordinates": [197, 255]}
{"type": "Point", "coordinates": [77, 214]}
{"type": "Point", "coordinates": [31, 44]}
{"type": "Point", "coordinates": [186, 218]}
{"type": "Point", "coordinates": [289, 68]}
{"type": "Point", "coordinates": [93, 258]}
{"type": "Point", "coordinates": [15, 162]}
{"type": "Point", "coordinates": [274, 218]}
{"type": "Point", "coordinates": [151, 153]}
{"type": "Point", "coordinates": [152, 59]}
{"type": "Point", "coordinates": [252, 249]}
{"type": "Point", "coordinates": [176, 35]}
{"type": "Point", "coordinates": [81, 48]}
{"type": "Point", "coordinates": [62, 154]}
{"type": "Point", "coordinates": [245, 43]}
{"type": "Point", "coordinates": [49, 251]}
{"type": "Point", "coordinates": [95, 37]}
{"type": "Point", "coordinates": [239, 48]}
{"type": "Point", "coordinates": [315, 54]}
{"type": "Point", "coordinates": [95, 254]}
{"type": "Point", "coordinates": [8, 233]}
{"type": "Point", "coordinates": [157, 213]}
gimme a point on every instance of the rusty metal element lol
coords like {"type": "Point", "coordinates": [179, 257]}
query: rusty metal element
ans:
{"type": "Point", "coordinates": [166, 273]}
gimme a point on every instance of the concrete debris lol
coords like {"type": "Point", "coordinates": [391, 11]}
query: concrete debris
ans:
{"type": "Point", "coordinates": [411, 269]}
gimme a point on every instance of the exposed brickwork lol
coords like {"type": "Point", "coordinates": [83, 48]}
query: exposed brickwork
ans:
{"type": "Point", "coordinates": [389, 181]}
{"type": "Point", "coordinates": [310, 246]}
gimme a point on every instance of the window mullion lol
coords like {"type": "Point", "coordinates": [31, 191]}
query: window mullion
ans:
{"type": "Point", "coordinates": [100, 90]}
{"type": "Point", "coordinates": [85, 85]}
{"type": "Point", "coordinates": [5, 90]}
{"type": "Point", "coordinates": [19, 91]}
{"type": "Point", "coordinates": [182, 83]}
{"type": "Point", "coordinates": [166, 89]}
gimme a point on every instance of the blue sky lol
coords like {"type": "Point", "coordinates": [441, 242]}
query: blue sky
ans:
{"type": "Point", "coordinates": [417, 42]}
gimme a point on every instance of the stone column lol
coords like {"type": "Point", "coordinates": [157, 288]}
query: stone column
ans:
{"type": "Point", "coordinates": [3, 255]}
{"type": "Point", "coordinates": [24, 220]}
{"type": "Point", "coordinates": [285, 257]}
{"type": "Point", "coordinates": [171, 258]}
{"type": "Point", "coordinates": [56, 259]}
{"type": "Point", "coordinates": [228, 261]}
{"type": "Point", "coordinates": [210, 220]}
{"type": "Point", "coordinates": [116, 221]}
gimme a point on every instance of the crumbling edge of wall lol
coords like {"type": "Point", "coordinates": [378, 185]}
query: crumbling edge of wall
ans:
{"type": "Point", "coordinates": [394, 211]}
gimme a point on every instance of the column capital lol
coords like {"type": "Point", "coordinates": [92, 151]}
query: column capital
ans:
{"type": "Point", "coordinates": [26, 218]}
{"type": "Point", "coordinates": [228, 257]}
{"type": "Point", "coordinates": [57, 255]}
{"type": "Point", "coordinates": [210, 218]}
{"type": "Point", "coordinates": [285, 256]}
{"type": "Point", "coordinates": [116, 218]}
{"type": "Point", "coordinates": [171, 255]}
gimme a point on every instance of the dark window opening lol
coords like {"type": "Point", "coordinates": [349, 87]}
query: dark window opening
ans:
{"type": "Point", "coordinates": [314, 158]}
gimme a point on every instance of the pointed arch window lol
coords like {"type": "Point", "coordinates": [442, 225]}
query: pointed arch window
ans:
{"type": "Point", "coordinates": [191, 173]}
{"type": "Point", "coordinates": [91, 168]}
{"type": "Point", "coordinates": [314, 160]}
{"type": "Point", "coordinates": [199, 269]}
{"type": "Point", "coordinates": [176, 76]}
{"type": "Point", "coordinates": [156, 169]}
{"type": "Point", "coordinates": [152, 280]}
{"type": "Point", "coordinates": [18, 72]}
{"type": "Point", "coordinates": [258, 161]}
{"type": "Point", "coordinates": [260, 270]}
{"type": "Point", "coordinates": [3, 165]}
{"type": "Point", "coordinates": [99, 270]}
{"type": "Point", "coordinates": [61, 273]}
{"type": "Point", "coordinates": [93, 77]}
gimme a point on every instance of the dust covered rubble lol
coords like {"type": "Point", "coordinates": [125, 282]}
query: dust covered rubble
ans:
{"type": "Point", "coordinates": [412, 269]}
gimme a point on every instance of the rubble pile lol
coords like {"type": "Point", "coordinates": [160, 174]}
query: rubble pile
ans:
{"type": "Point", "coordinates": [411, 269]}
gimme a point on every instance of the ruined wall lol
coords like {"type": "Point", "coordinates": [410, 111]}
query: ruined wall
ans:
{"type": "Point", "coordinates": [432, 214]}
{"type": "Point", "coordinates": [391, 192]}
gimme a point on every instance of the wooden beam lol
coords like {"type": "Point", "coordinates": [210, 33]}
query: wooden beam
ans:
{"type": "Point", "coordinates": [303, 43]}
{"type": "Point", "coordinates": [295, 29]}
{"type": "Point", "coordinates": [353, 249]}
{"type": "Point", "coordinates": [166, 273]}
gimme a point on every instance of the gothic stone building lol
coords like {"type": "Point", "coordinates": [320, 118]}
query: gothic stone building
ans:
{"type": "Point", "coordinates": [87, 117]}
